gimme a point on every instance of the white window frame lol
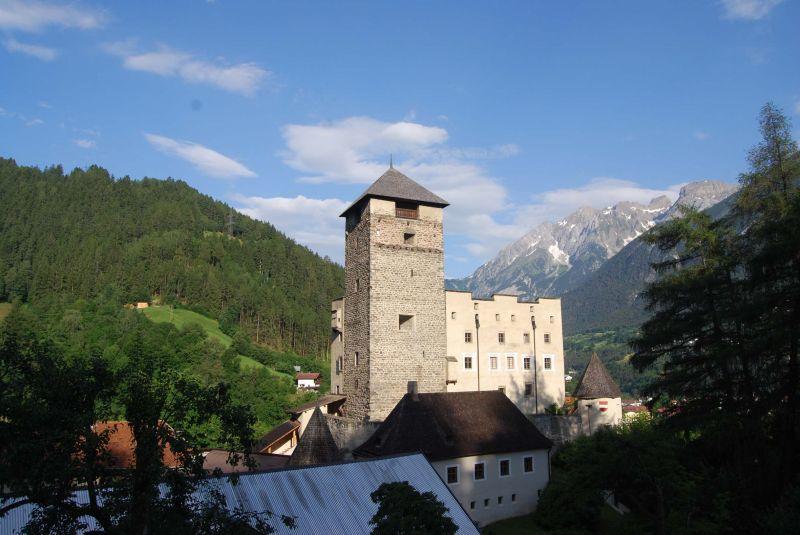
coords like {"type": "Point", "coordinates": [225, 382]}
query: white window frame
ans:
{"type": "Point", "coordinates": [500, 471]}
{"type": "Point", "coordinates": [552, 362]}
{"type": "Point", "coordinates": [495, 356]}
{"type": "Point", "coordinates": [547, 337]}
{"type": "Point", "coordinates": [530, 363]}
{"type": "Point", "coordinates": [464, 357]}
{"type": "Point", "coordinates": [513, 357]}
{"type": "Point", "coordinates": [533, 464]}
{"type": "Point", "coordinates": [484, 471]}
{"type": "Point", "coordinates": [447, 474]}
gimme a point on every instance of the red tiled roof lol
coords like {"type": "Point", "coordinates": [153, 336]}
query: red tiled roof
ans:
{"type": "Point", "coordinates": [218, 459]}
{"type": "Point", "coordinates": [302, 375]}
{"type": "Point", "coordinates": [121, 445]}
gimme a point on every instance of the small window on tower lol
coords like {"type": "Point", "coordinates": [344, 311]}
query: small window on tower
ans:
{"type": "Point", "coordinates": [452, 315]}
{"type": "Point", "coordinates": [406, 322]}
{"type": "Point", "coordinates": [513, 317]}
{"type": "Point", "coordinates": [501, 338]}
{"type": "Point", "coordinates": [468, 338]}
{"type": "Point", "coordinates": [531, 308]}
{"type": "Point", "coordinates": [526, 338]}
{"type": "Point", "coordinates": [409, 238]}
{"type": "Point", "coordinates": [552, 319]}
{"type": "Point", "coordinates": [406, 210]}
{"type": "Point", "coordinates": [475, 306]}
{"type": "Point", "coordinates": [497, 317]}
{"type": "Point", "coordinates": [546, 338]}
{"type": "Point", "coordinates": [528, 389]}
{"type": "Point", "coordinates": [356, 359]}
{"type": "Point", "coordinates": [358, 284]}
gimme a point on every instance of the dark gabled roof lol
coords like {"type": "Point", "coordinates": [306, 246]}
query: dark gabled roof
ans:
{"type": "Point", "coordinates": [275, 434]}
{"type": "Point", "coordinates": [454, 424]}
{"type": "Point", "coordinates": [396, 186]}
{"type": "Point", "coordinates": [327, 399]}
{"type": "Point", "coordinates": [316, 444]}
{"type": "Point", "coordinates": [596, 382]}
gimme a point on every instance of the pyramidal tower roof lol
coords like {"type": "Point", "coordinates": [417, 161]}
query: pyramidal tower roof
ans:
{"type": "Point", "coordinates": [596, 382]}
{"type": "Point", "coordinates": [396, 186]}
{"type": "Point", "coordinates": [316, 445]}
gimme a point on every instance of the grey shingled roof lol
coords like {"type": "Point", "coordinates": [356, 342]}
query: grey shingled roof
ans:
{"type": "Point", "coordinates": [316, 445]}
{"type": "Point", "coordinates": [454, 424]}
{"type": "Point", "coordinates": [596, 382]}
{"type": "Point", "coordinates": [395, 185]}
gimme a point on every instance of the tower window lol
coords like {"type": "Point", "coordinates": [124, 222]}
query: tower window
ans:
{"type": "Point", "coordinates": [513, 317]}
{"type": "Point", "coordinates": [409, 238]}
{"type": "Point", "coordinates": [546, 338]}
{"type": "Point", "coordinates": [406, 322]}
{"type": "Point", "coordinates": [356, 358]}
{"type": "Point", "coordinates": [548, 363]}
{"type": "Point", "coordinates": [526, 338]}
{"type": "Point", "coordinates": [468, 337]}
{"type": "Point", "coordinates": [501, 338]}
{"type": "Point", "coordinates": [497, 317]}
{"type": "Point", "coordinates": [467, 363]}
{"type": "Point", "coordinates": [510, 362]}
{"type": "Point", "coordinates": [552, 319]}
{"type": "Point", "coordinates": [528, 389]}
{"type": "Point", "coordinates": [406, 210]}
{"type": "Point", "coordinates": [493, 362]}
{"type": "Point", "coordinates": [358, 284]}
{"type": "Point", "coordinates": [531, 308]}
{"type": "Point", "coordinates": [452, 315]}
{"type": "Point", "coordinates": [475, 306]}
{"type": "Point", "coordinates": [526, 363]}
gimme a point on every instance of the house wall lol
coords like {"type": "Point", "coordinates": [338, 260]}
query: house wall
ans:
{"type": "Point", "coordinates": [505, 314]}
{"type": "Point", "coordinates": [592, 418]}
{"type": "Point", "coordinates": [526, 486]}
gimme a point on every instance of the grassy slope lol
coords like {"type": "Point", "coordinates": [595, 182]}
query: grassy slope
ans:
{"type": "Point", "coordinates": [181, 317]}
{"type": "Point", "coordinates": [5, 310]}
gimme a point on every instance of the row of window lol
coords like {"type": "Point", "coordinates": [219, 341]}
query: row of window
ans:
{"type": "Point", "coordinates": [501, 338]}
{"type": "Point", "coordinates": [479, 470]}
{"type": "Point", "coordinates": [511, 362]}
{"type": "Point", "coordinates": [497, 316]}
{"type": "Point", "coordinates": [487, 501]}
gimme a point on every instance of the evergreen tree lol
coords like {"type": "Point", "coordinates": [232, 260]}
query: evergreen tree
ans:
{"type": "Point", "coordinates": [403, 510]}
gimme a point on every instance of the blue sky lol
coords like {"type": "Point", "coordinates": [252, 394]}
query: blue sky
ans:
{"type": "Point", "coordinates": [515, 112]}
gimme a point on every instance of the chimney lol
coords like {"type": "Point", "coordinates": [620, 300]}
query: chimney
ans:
{"type": "Point", "coordinates": [412, 389]}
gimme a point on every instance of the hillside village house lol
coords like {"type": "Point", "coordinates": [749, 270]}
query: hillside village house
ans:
{"type": "Point", "coordinates": [491, 456]}
{"type": "Point", "coordinates": [396, 323]}
{"type": "Point", "coordinates": [307, 380]}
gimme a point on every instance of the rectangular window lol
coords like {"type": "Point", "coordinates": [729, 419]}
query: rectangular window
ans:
{"type": "Point", "coordinates": [480, 471]}
{"type": "Point", "coordinates": [409, 238]}
{"type": "Point", "coordinates": [501, 338]}
{"type": "Point", "coordinates": [467, 363]}
{"type": "Point", "coordinates": [406, 210]}
{"type": "Point", "coordinates": [531, 308]}
{"type": "Point", "coordinates": [406, 322]}
{"type": "Point", "coordinates": [548, 363]}
{"type": "Point", "coordinates": [552, 319]}
{"type": "Point", "coordinates": [499, 500]}
{"type": "Point", "coordinates": [526, 363]}
{"type": "Point", "coordinates": [452, 315]}
{"type": "Point", "coordinates": [546, 338]}
{"type": "Point", "coordinates": [505, 467]}
{"type": "Point", "coordinates": [526, 338]}
{"type": "Point", "coordinates": [452, 475]}
{"type": "Point", "coordinates": [497, 317]}
{"type": "Point", "coordinates": [527, 464]}
{"type": "Point", "coordinates": [528, 389]}
{"type": "Point", "coordinates": [486, 502]}
{"type": "Point", "coordinates": [472, 505]}
{"type": "Point", "coordinates": [468, 337]}
{"type": "Point", "coordinates": [492, 363]}
{"type": "Point", "coordinates": [356, 358]}
{"type": "Point", "coordinates": [513, 497]}
{"type": "Point", "coordinates": [358, 284]}
{"type": "Point", "coordinates": [501, 389]}
{"type": "Point", "coordinates": [510, 362]}
{"type": "Point", "coordinates": [475, 306]}
{"type": "Point", "coordinates": [513, 317]}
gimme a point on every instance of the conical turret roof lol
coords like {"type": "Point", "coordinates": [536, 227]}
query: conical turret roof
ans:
{"type": "Point", "coordinates": [395, 185]}
{"type": "Point", "coordinates": [316, 445]}
{"type": "Point", "coordinates": [596, 382]}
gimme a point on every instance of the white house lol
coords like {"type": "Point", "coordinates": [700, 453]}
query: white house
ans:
{"type": "Point", "coordinates": [307, 380]}
{"type": "Point", "coordinates": [495, 461]}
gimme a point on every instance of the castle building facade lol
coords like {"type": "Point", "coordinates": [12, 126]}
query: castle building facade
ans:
{"type": "Point", "coordinates": [397, 324]}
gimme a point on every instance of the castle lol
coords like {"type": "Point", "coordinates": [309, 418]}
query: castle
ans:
{"type": "Point", "coordinates": [397, 325]}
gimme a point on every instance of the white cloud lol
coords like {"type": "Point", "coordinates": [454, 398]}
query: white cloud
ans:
{"type": "Point", "coordinates": [700, 135]}
{"type": "Point", "coordinates": [206, 160]}
{"type": "Point", "coordinates": [30, 15]}
{"type": "Point", "coordinates": [32, 122]}
{"type": "Point", "coordinates": [242, 78]}
{"type": "Point", "coordinates": [312, 222]}
{"type": "Point", "coordinates": [45, 105]}
{"type": "Point", "coordinates": [41, 52]}
{"type": "Point", "coordinates": [85, 143]}
{"type": "Point", "coordinates": [748, 9]}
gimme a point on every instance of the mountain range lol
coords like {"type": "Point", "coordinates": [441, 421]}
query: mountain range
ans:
{"type": "Point", "coordinates": [592, 258]}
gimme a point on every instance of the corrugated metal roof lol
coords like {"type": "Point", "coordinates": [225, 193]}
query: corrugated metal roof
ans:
{"type": "Point", "coordinates": [324, 499]}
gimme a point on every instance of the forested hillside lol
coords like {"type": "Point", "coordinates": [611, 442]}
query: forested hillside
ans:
{"type": "Point", "coordinates": [85, 234]}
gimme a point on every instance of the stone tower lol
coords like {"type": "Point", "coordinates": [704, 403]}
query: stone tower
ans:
{"type": "Point", "coordinates": [394, 305]}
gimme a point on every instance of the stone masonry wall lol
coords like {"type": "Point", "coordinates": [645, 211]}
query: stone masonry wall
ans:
{"type": "Point", "coordinates": [405, 279]}
{"type": "Point", "coordinates": [355, 378]}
